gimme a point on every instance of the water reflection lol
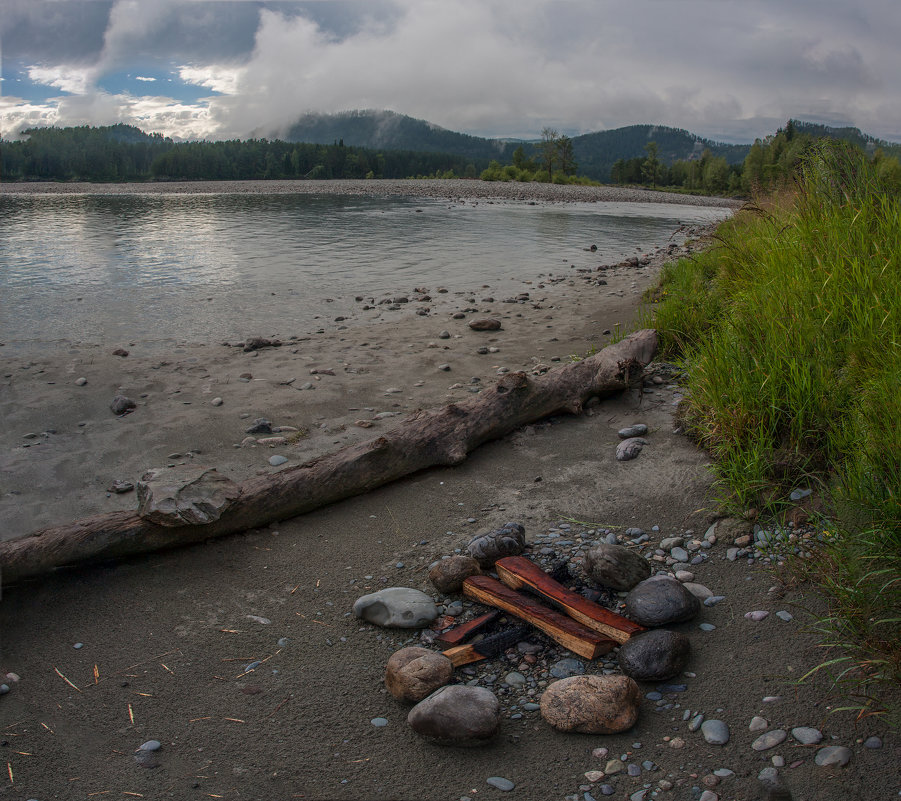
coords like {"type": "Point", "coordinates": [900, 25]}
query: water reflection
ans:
{"type": "Point", "coordinates": [206, 267]}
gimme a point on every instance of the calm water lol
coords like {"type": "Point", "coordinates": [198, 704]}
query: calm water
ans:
{"type": "Point", "coordinates": [203, 268]}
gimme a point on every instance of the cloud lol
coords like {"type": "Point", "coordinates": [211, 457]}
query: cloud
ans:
{"type": "Point", "coordinates": [507, 67]}
{"type": "Point", "coordinates": [143, 78]}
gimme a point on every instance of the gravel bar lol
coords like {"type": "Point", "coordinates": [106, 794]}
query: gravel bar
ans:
{"type": "Point", "coordinates": [454, 189]}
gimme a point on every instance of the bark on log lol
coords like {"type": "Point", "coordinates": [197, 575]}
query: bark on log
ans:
{"type": "Point", "coordinates": [425, 439]}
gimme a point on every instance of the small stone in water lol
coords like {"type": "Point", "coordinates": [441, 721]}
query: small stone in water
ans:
{"type": "Point", "coordinates": [500, 783]}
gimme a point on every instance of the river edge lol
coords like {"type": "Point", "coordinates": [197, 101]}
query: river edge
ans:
{"type": "Point", "coordinates": [169, 633]}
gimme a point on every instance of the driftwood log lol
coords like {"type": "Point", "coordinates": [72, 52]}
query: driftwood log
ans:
{"type": "Point", "coordinates": [424, 439]}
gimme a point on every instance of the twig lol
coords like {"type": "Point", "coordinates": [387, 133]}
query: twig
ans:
{"type": "Point", "coordinates": [278, 707]}
{"type": "Point", "coordinates": [65, 679]}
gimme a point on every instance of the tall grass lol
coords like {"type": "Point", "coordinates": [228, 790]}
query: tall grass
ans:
{"type": "Point", "coordinates": [790, 330]}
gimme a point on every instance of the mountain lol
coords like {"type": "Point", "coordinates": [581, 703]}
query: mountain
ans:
{"type": "Point", "coordinates": [387, 130]}
{"type": "Point", "coordinates": [596, 152]}
{"type": "Point", "coordinates": [865, 142]}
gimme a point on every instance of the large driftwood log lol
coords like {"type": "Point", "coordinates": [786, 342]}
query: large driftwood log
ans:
{"type": "Point", "coordinates": [424, 439]}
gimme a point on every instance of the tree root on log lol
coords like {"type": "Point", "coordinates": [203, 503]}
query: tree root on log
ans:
{"type": "Point", "coordinates": [425, 439]}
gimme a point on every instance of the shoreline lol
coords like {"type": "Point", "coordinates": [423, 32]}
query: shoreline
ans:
{"type": "Point", "coordinates": [157, 646]}
{"type": "Point", "coordinates": [434, 188]}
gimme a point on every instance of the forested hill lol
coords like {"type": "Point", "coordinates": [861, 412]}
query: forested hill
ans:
{"type": "Point", "coordinates": [597, 152]}
{"type": "Point", "coordinates": [389, 130]}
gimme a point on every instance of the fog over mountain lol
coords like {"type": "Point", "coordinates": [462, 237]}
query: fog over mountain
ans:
{"type": "Point", "coordinates": [218, 69]}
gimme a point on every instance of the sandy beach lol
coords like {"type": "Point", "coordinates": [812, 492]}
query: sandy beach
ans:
{"type": "Point", "coordinates": [110, 656]}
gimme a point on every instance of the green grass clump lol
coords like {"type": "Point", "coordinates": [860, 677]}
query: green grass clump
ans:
{"type": "Point", "coordinates": [790, 330]}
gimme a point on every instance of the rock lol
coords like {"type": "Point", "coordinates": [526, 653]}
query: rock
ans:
{"type": "Point", "coordinates": [564, 668]}
{"type": "Point", "coordinates": [698, 590]}
{"type": "Point", "coordinates": [657, 602]}
{"type": "Point", "coordinates": [785, 616]}
{"type": "Point", "coordinates": [444, 335]}
{"type": "Point", "coordinates": [604, 704]}
{"type": "Point", "coordinates": [448, 575]}
{"type": "Point", "coordinates": [150, 745]}
{"type": "Point", "coordinates": [757, 724]}
{"type": "Point", "coordinates": [260, 426]}
{"type": "Point", "coordinates": [487, 548]}
{"type": "Point", "coordinates": [120, 486]}
{"type": "Point", "coordinates": [485, 324]}
{"type": "Point", "coordinates": [120, 352]}
{"type": "Point", "coordinates": [681, 555]}
{"type": "Point", "coordinates": [500, 783]}
{"type": "Point", "coordinates": [256, 343]}
{"type": "Point", "coordinates": [414, 673]}
{"type": "Point", "coordinates": [216, 402]}
{"type": "Point", "coordinates": [806, 735]}
{"type": "Point", "coordinates": [399, 607]}
{"type": "Point", "coordinates": [773, 785]}
{"type": "Point", "coordinates": [836, 755]}
{"type": "Point", "coordinates": [634, 430]}
{"type": "Point", "coordinates": [873, 742]}
{"type": "Point", "coordinates": [730, 528]}
{"type": "Point", "coordinates": [769, 740]}
{"type": "Point", "coordinates": [122, 405]}
{"type": "Point", "coordinates": [629, 448]}
{"type": "Point", "coordinates": [457, 713]}
{"type": "Point", "coordinates": [757, 615]}
{"type": "Point", "coordinates": [185, 495]}
{"type": "Point", "coordinates": [80, 382]}
{"type": "Point", "coordinates": [715, 732]}
{"type": "Point", "coordinates": [616, 566]}
{"type": "Point", "coordinates": [277, 460]}
{"type": "Point", "coordinates": [654, 655]}
{"type": "Point", "coordinates": [379, 723]}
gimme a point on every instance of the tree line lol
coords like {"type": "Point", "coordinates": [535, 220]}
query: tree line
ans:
{"type": "Point", "coordinates": [125, 153]}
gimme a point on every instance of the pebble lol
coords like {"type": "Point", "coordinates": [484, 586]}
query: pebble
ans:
{"type": "Point", "coordinates": [713, 600]}
{"type": "Point", "coordinates": [500, 783]}
{"type": "Point", "coordinates": [379, 722]}
{"type": "Point", "coordinates": [151, 745]}
{"type": "Point", "coordinates": [613, 767]}
{"type": "Point", "coordinates": [594, 775]}
{"type": "Point", "coordinates": [757, 615]}
{"type": "Point", "coordinates": [715, 732]}
{"type": "Point", "coordinates": [633, 770]}
{"type": "Point", "coordinates": [833, 755]}
{"type": "Point", "coordinates": [78, 646]}
{"type": "Point", "coordinates": [769, 740]}
{"type": "Point", "coordinates": [872, 742]}
{"type": "Point", "coordinates": [567, 667]}
{"type": "Point", "coordinates": [606, 789]}
{"type": "Point", "coordinates": [80, 382]}
{"type": "Point", "coordinates": [636, 430]}
{"type": "Point", "coordinates": [638, 796]}
{"type": "Point", "coordinates": [4, 689]}
{"type": "Point", "coordinates": [696, 722]}
{"type": "Point", "coordinates": [216, 402]}
{"type": "Point", "coordinates": [807, 735]}
{"type": "Point", "coordinates": [709, 795]}
{"type": "Point", "coordinates": [757, 724]}
{"type": "Point", "coordinates": [514, 679]}
{"type": "Point", "coordinates": [783, 615]}
{"type": "Point", "coordinates": [706, 627]}
{"type": "Point", "coordinates": [277, 460]}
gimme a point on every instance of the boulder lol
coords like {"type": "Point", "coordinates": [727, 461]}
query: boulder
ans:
{"type": "Point", "coordinates": [398, 607]}
{"type": "Point", "coordinates": [448, 575]}
{"type": "Point", "coordinates": [487, 548]}
{"type": "Point", "coordinates": [186, 495]}
{"type": "Point", "coordinates": [414, 673]}
{"type": "Point", "coordinates": [654, 655]}
{"type": "Point", "coordinates": [591, 704]}
{"type": "Point", "coordinates": [658, 601]}
{"type": "Point", "coordinates": [457, 714]}
{"type": "Point", "coordinates": [616, 566]}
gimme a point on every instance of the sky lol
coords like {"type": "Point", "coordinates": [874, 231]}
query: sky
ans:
{"type": "Point", "coordinates": [728, 70]}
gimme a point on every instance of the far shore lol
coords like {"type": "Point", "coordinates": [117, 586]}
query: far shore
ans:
{"type": "Point", "coordinates": [434, 188]}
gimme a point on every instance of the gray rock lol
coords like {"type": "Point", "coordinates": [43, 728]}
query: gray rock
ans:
{"type": "Point", "coordinates": [629, 448]}
{"type": "Point", "coordinates": [487, 548]}
{"type": "Point", "coordinates": [873, 742]}
{"type": "Point", "coordinates": [616, 566]}
{"type": "Point", "coordinates": [150, 745]}
{"type": "Point", "coordinates": [216, 402]}
{"type": "Point", "coordinates": [668, 543]}
{"type": "Point", "coordinates": [277, 460]}
{"type": "Point", "coordinates": [757, 724]}
{"type": "Point", "coordinates": [379, 723]}
{"type": "Point", "coordinates": [769, 740]}
{"type": "Point", "coordinates": [81, 381]}
{"type": "Point", "coordinates": [414, 673]}
{"type": "Point", "coordinates": [500, 783]}
{"type": "Point", "coordinates": [783, 615]}
{"type": "Point", "coordinates": [591, 704]}
{"type": "Point", "coordinates": [398, 607]}
{"type": "Point", "coordinates": [773, 785]}
{"type": "Point", "coordinates": [836, 755]}
{"type": "Point", "coordinates": [698, 590]}
{"type": "Point", "coordinates": [715, 732]}
{"type": "Point", "coordinates": [807, 735]}
{"type": "Point", "coordinates": [120, 486]}
{"type": "Point", "coordinates": [634, 430]}
{"type": "Point", "coordinates": [654, 655]}
{"type": "Point", "coordinates": [679, 554]}
{"type": "Point", "coordinates": [696, 722]}
{"type": "Point", "coordinates": [658, 602]}
{"type": "Point", "coordinates": [260, 426]}
{"type": "Point", "coordinates": [122, 405]}
{"type": "Point", "coordinates": [449, 574]}
{"type": "Point", "coordinates": [565, 668]}
{"type": "Point", "coordinates": [514, 679]}
{"type": "Point", "coordinates": [457, 713]}
{"type": "Point", "coordinates": [185, 495]}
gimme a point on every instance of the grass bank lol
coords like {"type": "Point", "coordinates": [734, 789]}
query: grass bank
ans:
{"type": "Point", "coordinates": [790, 331]}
